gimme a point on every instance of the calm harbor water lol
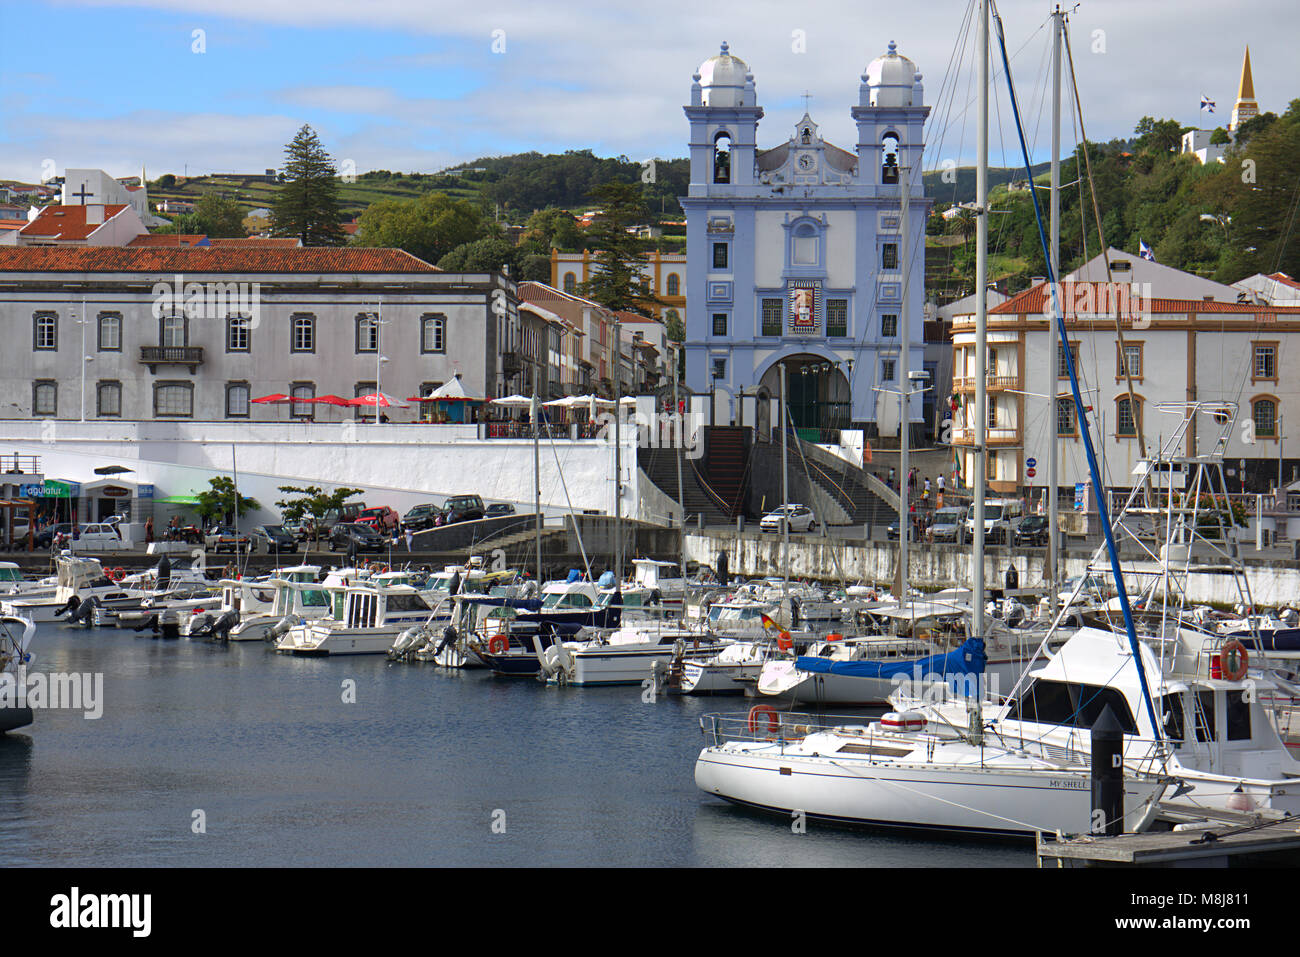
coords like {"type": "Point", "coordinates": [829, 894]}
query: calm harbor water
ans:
{"type": "Point", "coordinates": [412, 774]}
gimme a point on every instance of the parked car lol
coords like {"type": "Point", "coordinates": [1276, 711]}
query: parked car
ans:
{"type": "Point", "coordinates": [500, 508]}
{"type": "Point", "coordinates": [463, 508]}
{"type": "Point", "coordinates": [420, 517]}
{"type": "Point", "coordinates": [301, 531]}
{"type": "Point", "coordinates": [380, 517]}
{"type": "Point", "coordinates": [98, 536]}
{"type": "Point", "coordinates": [348, 513]}
{"type": "Point", "coordinates": [950, 524]}
{"type": "Point", "coordinates": [350, 535]}
{"type": "Point", "coordinates": [45, 537]}
{"type": "Point", "coordinates": [799, 517]}
{"type": "Point", "coordinates": [274, 539]}
{"type": "Point", "coordinates": [223, 538]}
{"type": "Point", "coordinates": [1032, 530]}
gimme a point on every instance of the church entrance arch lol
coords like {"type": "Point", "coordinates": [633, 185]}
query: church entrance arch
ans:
{"type": "Point", "coordinates": [818, 392]}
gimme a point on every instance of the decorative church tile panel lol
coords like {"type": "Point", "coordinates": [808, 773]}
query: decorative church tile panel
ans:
{"type": "Point", "coordinates": [804, 298]}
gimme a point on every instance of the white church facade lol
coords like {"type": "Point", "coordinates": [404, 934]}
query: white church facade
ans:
{"type": "Point", "coordinates": [797, 255]}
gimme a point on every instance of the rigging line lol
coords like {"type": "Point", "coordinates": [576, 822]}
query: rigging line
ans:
{"type": "Point", "coordinates": [1103, 507]}
{"type": "Point", "coordinates": [1285, 238]}
{"type": "Point", "coordinates": [565, 485]}
{"type": "Point", "coordinates": [1139, 428]}
{"type": "Point", "coordinates": [951, 75]}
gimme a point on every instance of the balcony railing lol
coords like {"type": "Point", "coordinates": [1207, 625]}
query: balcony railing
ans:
{"type": "Point", "coordinates": [154, 356]}
{"type": "Point", "coordinates": [994, 383]}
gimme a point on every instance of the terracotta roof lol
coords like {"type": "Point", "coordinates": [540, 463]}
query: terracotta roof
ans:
{"type": "Point", "coordinates": [1101, 297]}
{"type": "Point", "coordinates": [68, 222]}
{"type": "Point", "coordinates": [12, 223]}
{"type": "Point", "coordinates": [168, 239]}
{"type": "Point", "coordinates": [266, 242]}
{"type": "Point", "coordinates": [532, 291]}
{"type": "Point", "coordinates": [1284, 279]}
{"type": "Point", "coordinates": [209, 259]}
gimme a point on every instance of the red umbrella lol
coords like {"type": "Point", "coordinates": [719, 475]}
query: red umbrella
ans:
{"type": "Point", "coordinates": [273, 397]}
{"type": "Point", "coordinates": [372, 399]}
{"type": "Point", "coordinates": [332, 400]}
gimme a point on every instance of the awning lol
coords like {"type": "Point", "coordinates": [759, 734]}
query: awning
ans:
{"type": "Point", "coordinates": [178, 500]}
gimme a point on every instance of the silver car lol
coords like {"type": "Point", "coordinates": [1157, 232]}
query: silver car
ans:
{"type": "Point", "coordinates": [799, 517]}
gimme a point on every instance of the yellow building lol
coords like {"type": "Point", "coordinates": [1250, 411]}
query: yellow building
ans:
{"type": "Point", "coordinates": [665, 271]}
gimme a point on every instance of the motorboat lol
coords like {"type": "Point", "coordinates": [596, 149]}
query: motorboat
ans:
{"type": "Point", "coordinates": [374, 613]}
{"type": "Point", "coordinates": [16, 635]}
{"type": "Point", "coordinates": [626, 655]}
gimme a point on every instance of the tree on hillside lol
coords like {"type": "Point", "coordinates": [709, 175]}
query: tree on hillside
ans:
{"type": "Point", "coordinates": [307, 205]}
{"type": "Point", "coordinates": [552, 228]}
{"type": "Point", "coordinates": [1160, 136]}
{"type": "Point", "coordinates": [617, 281]}
{"type": "Point", "coordinates": [220, 217]}
{"type": "Point", "coordinates": [429, 226]}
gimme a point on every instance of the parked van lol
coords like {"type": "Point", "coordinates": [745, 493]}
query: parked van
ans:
{"type": "Point", "coordinates": [1000, 516]}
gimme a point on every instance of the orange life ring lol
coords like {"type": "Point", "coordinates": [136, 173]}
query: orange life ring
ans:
{"type": "Point", "coordinates": [764, 710]}
{"type": "Point", "coordinates": [498, 649]}
{"type": "Point", "coordinates": [377, 568]}
{"type": "Point", "coordinates": [1235, 660]}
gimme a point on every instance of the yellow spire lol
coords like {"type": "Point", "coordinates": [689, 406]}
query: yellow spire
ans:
{"type": "Point", "coordinates": [1246, 90]}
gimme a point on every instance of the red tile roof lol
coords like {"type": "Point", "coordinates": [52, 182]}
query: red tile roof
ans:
{"type": "Point", "coordinates": [1284, 279]}
{"type": "Point", "coordinates": [1100, 297]}
{"type": "Point", "coordinates": [68, 222]}
{"type": "Point", "coordinates": [166, 239]}
{"type": "Point", "coordinates": [267, 242]}
{"type": "Point", "coordinates": [233, 258]}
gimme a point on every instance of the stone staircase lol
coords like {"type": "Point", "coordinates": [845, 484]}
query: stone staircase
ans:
{"type": "Point", "coordinates": [660, 465]}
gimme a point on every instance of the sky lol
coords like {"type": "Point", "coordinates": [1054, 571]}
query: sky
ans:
{"type": "Point", "coordinates": [194, 86]}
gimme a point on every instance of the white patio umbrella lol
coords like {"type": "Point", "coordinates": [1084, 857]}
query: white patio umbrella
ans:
{"type": "Point", "coordinates": [515, 402]}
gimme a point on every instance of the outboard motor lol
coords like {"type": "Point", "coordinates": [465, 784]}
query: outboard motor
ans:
{"type": "Point", "coordinates": [448, 639]}
{"type": "Point", "coordinates": [71, 606]}
{"type": "Point", "coordinates": [281, 627]}
{"type": "Point", "coordinates": [150, 625]}
{"type": "Point", "coordinates": [453, 587]}
{"type": "Point", "coordinates": [794, 612]}
{"type": "Point", "coordinates": [221, 628]}
{"type": "Point", "coordinates": [85, 612]}
{"type": "Point", "coordinates": [201, 627]}
{"type": "Point", "coordinates": [1015, 613]}
{"type": "Point", "coordinates": [163, 574]}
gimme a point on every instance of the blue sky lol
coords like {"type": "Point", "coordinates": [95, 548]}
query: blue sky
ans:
{"type": "Point", "coordinates": [404, 85]}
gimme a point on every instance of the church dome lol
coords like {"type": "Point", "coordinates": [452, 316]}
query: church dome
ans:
{"type": "Point", "coordinates": [890, 78]}
{"type": "Point", "coordinates": [723, 78]}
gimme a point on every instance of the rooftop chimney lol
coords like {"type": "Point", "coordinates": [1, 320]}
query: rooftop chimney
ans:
{"type": "Point", "coordinates": [94, 214]}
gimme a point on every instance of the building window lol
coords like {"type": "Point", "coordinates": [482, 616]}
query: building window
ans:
{"type": "Point", "coordinates": [367, 332]}
{"type": "Point", "coordinates": [1061, 371]}
{"type": "Point", "coordinates": [237, 396]}
{"type": "Point", "coordinates": [303, 333]}
{"type": "Point", "coordinates": [570, 283]}
{"type": "Point", "coordinates": [719, 323]}
{"type": "Point", "coordinates": [1127, 416]}
{"type": "Point", "coordinates": [1130, 358]}
{"type": "Point", "coordinates": [1265, 364]}
{"type": "Point", "coordinates": [45, 397]}
{"type": "Point", "coordinates": [173, 332]}
{"type": "Point", "coordinates": [719, 368]}
{"type": "Point", "coordinates": [433, 333]}
{"type": "Point", "coordinates": [1065, 417]}
{"type": "Point", "coordinates": [719, 255]}
{"type": "Point", "coordinates": [110, 332]}
{"type": "Point", "coordinates": [173, 400]}
{"type": "Point", "coordinates": [1264, 412]}
{"type": "Point", "coordinates": [837, 317]}
{"type": "Point", "coordinates": [302, 407]}
{"type": "Point", "coordinates": [239, 334]}
{"type": "Point", "coordinates": [889, 256]}
{"type": "Point", "coordinates": [993, 414]}
{"type": "Point", "coordinates": [805, 245]}
{"type": "Point", "coordinates": [773, 309]}
{"type": "Point", "coordinates": [364, 413]}
{"type": "Point", "coordinates": [887, 370]}
{"type": "Point", "coordinates": [108, 399]}
{"type": "Point", "coordinates": [888, 326]}
{"type": "Point", "coordinates": [45, 331]}
{"type": "Point", "coordinates": [674, 284]}
{"type": "Point", "coordinates": [428, 411]}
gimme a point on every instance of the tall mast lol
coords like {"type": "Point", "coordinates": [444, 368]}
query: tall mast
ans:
{"type": "Point", "coordinates": [537, 483]}
{"type": "Point", "coordinates": [785, 490]}
{"type": "Point", "coordinates": [679, 437]}
{"type": "Point", "coordinates": [979, 470]}
{"type": "Point", "coordinates": [1053, 535]}
{"type": "Point", "coordinates": [904, 386]}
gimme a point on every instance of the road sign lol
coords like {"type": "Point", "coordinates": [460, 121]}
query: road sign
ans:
{"type": "Point", "coordinates": [1031, 463]}
{"type": "Point", "coordinates": [1030, 472]}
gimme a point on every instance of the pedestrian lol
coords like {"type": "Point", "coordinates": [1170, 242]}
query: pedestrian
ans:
{"type": "Point", "coordinates": [891, 476]}
{"type": "Point", "coordinates": [148, 531]}
{"type": "Point", "coordinates": [409, 535]}
{"type": "Point", "coordinates": [939, 481]}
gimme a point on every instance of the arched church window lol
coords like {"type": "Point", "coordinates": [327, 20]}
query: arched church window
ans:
{"type": "Point", "coordinates": [722, 157]}
{"type": "Point", "coordinates": [674, 284]}
{"type": "Point", "coordinates": [805, 245]}
{"type": "Point", "coordinates": [889, 164]}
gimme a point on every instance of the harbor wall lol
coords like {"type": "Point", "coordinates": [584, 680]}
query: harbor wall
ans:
{"type": "Point", "coordinates": [399, 465]}
{"type": "Point", "coordinates": [933, 567]}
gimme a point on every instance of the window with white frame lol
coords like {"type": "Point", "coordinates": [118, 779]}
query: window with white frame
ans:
{"type": "Point", "coordinates": [45, 331]}
{"type": "Point", "coordinates": [239, 334]}
{"type": "Point", "coordinates": [302, 393]}
{"type": "Point", "coordinates": [303, 334]}
{"type": "Point", "coordinates": [108, 399]}
{"type": "Point", "coordinates": [110, 332]}
{"type": "Point", "coordinates": [433, 333]}
{"type": "Point", "coordinates": [237, 399]}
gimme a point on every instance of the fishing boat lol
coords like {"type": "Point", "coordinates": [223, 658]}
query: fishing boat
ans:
{"type": "Point", "coordinates": [16, 634]}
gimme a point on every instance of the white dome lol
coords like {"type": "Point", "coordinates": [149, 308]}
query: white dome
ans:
{"type": "Point", "coordinates": [723, 78]}
{"type": "Point", "coordinates": [890, 79]}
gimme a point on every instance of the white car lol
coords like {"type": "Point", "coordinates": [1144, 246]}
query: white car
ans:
{"type": "Point", "coordinates": [98, 536]}
{"type": "Point", "coordinates": [799, 517]}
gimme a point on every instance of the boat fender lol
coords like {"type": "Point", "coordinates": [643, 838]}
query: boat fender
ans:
{"type": "Point", "coordinates": [1234, 660]}
{"type": "Point", "coordinates": [903, 721]}
{"type": "Point", "coordinates": [498, 645]}
{"type": "Point", "coordinates": [764, 712]}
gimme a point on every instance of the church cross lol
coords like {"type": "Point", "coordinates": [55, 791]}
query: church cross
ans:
{"type": "Point", "coordinates": [806, 97]}
{"type": "Point", "coordinates": [82, 194]}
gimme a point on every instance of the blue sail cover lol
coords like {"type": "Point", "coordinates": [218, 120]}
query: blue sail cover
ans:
{"type": "Point", "coordinates": [969, 659]}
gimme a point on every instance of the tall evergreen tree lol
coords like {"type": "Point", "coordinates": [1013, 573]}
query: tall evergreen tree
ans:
{"type": "Point", "coordinates": [617, 281]}
{"type": "Point", "coordinates": [307, 204]}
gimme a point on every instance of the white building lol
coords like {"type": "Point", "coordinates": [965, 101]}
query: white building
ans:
{"type": "Point", "coordinates": [83, 187]}
{"type": "Point", "coordinates": [1274, 289]}
{"type": "Point", "coordinates": [1178, 347]}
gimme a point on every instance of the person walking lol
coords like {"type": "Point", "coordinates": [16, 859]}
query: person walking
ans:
{"type": "Point", "coordinates": [148, 531]}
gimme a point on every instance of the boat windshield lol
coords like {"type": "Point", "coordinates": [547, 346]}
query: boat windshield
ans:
{"type": "Point", "coordinates": [10, 575]}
